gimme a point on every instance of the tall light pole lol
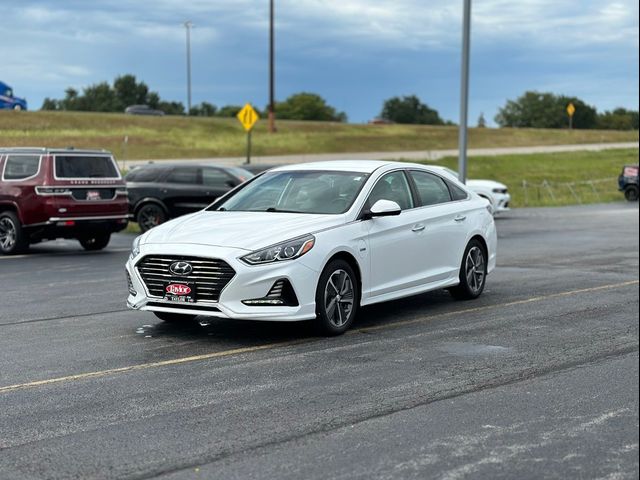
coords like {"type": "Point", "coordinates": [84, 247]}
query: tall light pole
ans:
{"type": "Point", "coordinates": [272, 115]}
{"type": "Point", "coordinates": [464, 93]}
{"type": "Point", "coordinates": [188, 25]}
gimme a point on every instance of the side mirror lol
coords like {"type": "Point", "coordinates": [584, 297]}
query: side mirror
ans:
{"type": "Point", "coordinates": [383, 208]}
{"type": "Point", "coordinates": [232, 183]}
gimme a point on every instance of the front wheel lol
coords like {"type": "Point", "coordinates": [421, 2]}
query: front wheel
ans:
{"type": "Point", "coordinates": [337, 298]}
{"type": "Point", "coordinates": [175, 318]}
{"type": "Point", "coordinates": [17, 108]}
{"type": "Point", "coordinates": [473, 272]}
{"type": "Point", "coordinates": [95, 242]}
{"type": "Point", "coordinates": [631, 193]}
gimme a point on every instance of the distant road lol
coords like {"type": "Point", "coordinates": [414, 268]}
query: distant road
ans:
{"type": "Point", "coordinates": [432, 155]}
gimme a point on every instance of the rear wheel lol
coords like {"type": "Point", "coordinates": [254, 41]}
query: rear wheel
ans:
{"type": "Point", "coordinates": [337, 298]}
{"type": "Point", "coordinates": [473, 272]}
{"type": "Point", "coordinates": [175, 318]}
{"type": "Point", "coordinates": [150, 215]}
{"type": "Point", "coordinates": [12, 237]}
{"type": "Point", "coordinates": [17, 108]}
{"type": "Point", "coordinates": [94, 242]}
{"type": "Point", "coordinates": [631, 193]}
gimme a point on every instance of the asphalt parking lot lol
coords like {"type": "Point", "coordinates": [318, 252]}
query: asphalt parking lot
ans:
{"type": "Point", "coordinates": [537, 378]}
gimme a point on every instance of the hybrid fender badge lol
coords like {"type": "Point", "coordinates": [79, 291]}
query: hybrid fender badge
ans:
{"type": "Point", "coordinates": [178, 289]}
{"type": "Point", "coordinates": [180, 268]}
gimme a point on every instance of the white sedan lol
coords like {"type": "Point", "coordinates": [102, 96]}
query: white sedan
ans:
{"type": "Point", "coordinates": [316, 241]}
{"type": "Point", "coordinates": [496, 193]}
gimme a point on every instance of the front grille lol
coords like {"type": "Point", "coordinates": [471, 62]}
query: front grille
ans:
{"type": "Point", "coordinates": [209, 275]}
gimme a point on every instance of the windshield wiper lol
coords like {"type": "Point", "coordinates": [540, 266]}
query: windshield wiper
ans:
{"type": "Point", "coordinates": [274, 209]}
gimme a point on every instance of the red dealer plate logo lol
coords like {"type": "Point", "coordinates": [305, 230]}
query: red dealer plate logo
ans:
{"type": "Point", "coordinates": [178, 289]}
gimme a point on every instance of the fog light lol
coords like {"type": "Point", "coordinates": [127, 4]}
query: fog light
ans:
{"type": "Point", "coordinates": [280, 294]}
{"type": "Point", "coordinates": [132, 291]}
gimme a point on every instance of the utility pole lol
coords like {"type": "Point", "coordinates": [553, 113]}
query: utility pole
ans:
{"type": "Point", "coordinates": [271, 114]}
{"type": "Point", "coordinates": [464, 93]}
{"type": "Point", "coordinates": [188, 25]}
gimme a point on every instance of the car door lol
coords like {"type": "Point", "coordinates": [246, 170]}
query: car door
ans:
{"type": "Point", "coordinates": [217, 182]}
{"type": "Point", "coordinates": [442, 212]}
{"type": "Point", "coordinates": [182, 190]}
{"type": "Point", "coordinates": [394, 241]}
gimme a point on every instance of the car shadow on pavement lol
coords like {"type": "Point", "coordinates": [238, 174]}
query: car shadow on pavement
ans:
{"type": "Point", "coordinates": [238, 333]}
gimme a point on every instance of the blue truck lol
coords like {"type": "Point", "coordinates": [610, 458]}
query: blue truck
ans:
{"type": "Point", "coordinates": [8, 101]}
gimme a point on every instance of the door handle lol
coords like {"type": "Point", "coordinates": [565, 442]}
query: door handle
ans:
{"type": "Point", "coordinates": [460, 218]}
{"type": "Point", "coordinates": [418, 228]}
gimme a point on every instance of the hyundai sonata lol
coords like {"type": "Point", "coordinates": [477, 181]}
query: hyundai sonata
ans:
{"type": "Point", "coordinates": [316, 241]}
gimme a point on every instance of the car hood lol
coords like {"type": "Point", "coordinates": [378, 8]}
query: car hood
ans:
{"type": "Point", "coordinates": [485, 184]}
{"type": "Point", "coordinates": [245, 230]}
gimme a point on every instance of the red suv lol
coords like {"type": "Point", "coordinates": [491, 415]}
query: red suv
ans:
{"type": "Point", "coordinates": [59, 193]}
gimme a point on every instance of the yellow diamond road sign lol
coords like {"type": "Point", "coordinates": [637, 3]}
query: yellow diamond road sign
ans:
{"type": "Point", "coordinates": [248, 117]}
{"type": "Point", "coordinates": [571, 109]}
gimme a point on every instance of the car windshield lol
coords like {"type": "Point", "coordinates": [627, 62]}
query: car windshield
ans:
{"type": "Point", "coordinates": [319, 192]}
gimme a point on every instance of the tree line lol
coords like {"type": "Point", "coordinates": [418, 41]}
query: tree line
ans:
{"type": "Point", "coordinates": [530, 110]}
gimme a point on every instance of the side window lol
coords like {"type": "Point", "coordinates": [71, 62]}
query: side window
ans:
{"type": "Point", "coordinates": [144, 174]}
{"type": "Point", "coordinates": [456, 192]}
{"type": "Point", "coordinates": [18, 167]}
{"type": "Point", "coordinates": [431, 188]}
{"type": "Point", "coordinates": [392, 186]}
{"type": "Point", "coordinates": [214, 177]}
{"type": "Point", "coordinates": [183, 175]}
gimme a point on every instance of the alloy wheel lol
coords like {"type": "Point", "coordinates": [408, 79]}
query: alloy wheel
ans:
{"type": "Point", "coordinates": [339, 297]}
{"type": "Point", "coordinates": [149, 216]}
{"type": "Point", "coordinates": [475, 269]}
{"type": "Point", "coordinates": [8, 233]}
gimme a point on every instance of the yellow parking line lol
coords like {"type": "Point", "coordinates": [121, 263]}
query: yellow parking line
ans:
{"type": "Point", "coordinates": [257, 348]}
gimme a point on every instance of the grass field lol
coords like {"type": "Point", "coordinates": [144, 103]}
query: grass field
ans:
{"type": "Point", "coordinates": [553, 179]}
{"type": "Point", "coordinates": [192, 137]}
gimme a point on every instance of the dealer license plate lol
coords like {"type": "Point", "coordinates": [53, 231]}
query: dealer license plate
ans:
{"type": "Point", "coordinates": [180, 292]}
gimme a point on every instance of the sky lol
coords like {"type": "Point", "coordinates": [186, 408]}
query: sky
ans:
{"type": "Point", "coordinates": [354, 53]}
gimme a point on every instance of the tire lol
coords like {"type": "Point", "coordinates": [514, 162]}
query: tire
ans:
{"type": "Point", "coordinates": [13, 239]}
{"type": "Point", "coordinates": [175, 318]}
{"type": "Point", "coordinates": [631, 193]}
{"type": "Point", "coordinates": [337, 281]}
{"type": "Point", "coordinates": [17, 108]}
{"type": "Point", "coordinates": [150, 215]}
{"type": "Point", "coordinates": [473, 272]}
{"type": "Point", "coordinates": [95, 242]}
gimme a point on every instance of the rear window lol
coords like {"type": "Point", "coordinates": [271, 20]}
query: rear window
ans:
{"type": "Point", "coordinates": [79, 166]}
{"type": "Point", "coordinates": [19, 167]}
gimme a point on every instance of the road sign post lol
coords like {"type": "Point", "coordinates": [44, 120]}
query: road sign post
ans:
{"type": "Point", "coordinates": [248, 118]}
{"type": "Point", "coordinates": [571, 109]}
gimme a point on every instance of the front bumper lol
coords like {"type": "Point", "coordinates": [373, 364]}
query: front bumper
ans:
{"type": "Point", "coordinates": [501, 202]}
{"type": "Point", "coordinates": [249, 282]}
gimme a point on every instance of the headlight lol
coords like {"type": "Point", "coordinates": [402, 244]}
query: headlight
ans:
{"type": "Point", "coordinates": [499, 190]}
{"type": "Point", "coordinates": [282, 251]}
{"type": "Point", "coordinates": [135, 248]}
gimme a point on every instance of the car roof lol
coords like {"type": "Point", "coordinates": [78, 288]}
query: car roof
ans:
{"type": "Point", "coordinates": [364, 166]}
{"type": "Point", "coordinates": [52, 151]}
{"type": "Point", "coordinates": [186, 163]}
